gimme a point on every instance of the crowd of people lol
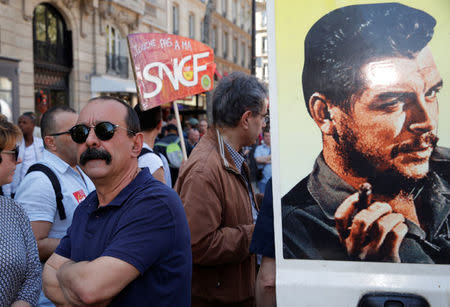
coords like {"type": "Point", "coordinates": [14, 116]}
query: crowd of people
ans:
{"type": "Point", "coordinates": [102, 209]}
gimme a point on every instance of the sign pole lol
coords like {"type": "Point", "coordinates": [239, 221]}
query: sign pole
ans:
{"type": "Point", "coordinates": [180, 130]}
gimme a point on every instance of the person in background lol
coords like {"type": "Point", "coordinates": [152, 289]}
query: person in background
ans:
{"type": "Point", "coordinates": [37, 127]}
{"type": "Point", "coordinates": [218, 198]}
{"type": "Point", "coordinates": [192, 140]}
{"type": "Point", "coordinates": [151, 123]}
{"type": "Point", "coordinates": [171, 119]}
{"type": "Point", "coordinates": [20, 269]}
{"type": "Point", "coordinates": [36, 193]}
{"type": "Point", "coordinates": [263, 160]}
{"type": "Point", "coordinates": [203, 127]}
{"type": "Point", "coordinates": [30, 151]}
{"type": "Point", "coordinates": [191, 123]}
{"type": "Point", "coordinates": [170, 147]}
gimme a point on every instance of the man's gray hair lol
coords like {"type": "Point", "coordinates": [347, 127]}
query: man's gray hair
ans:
{"type": "Point", "coordinates": [236, 94]}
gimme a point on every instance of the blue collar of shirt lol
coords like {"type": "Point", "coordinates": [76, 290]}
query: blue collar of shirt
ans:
{"type": "Point", "coordinates": [141, 180]}
{"type": "Point", "coordinates": [238, 158]}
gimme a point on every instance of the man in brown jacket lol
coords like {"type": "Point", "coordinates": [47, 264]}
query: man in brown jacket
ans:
{"type": "Point", "coordinates": [215, 189]}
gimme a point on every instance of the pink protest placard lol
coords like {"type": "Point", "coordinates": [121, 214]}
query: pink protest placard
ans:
{"type": "Point", "coordinates": [169, 67]}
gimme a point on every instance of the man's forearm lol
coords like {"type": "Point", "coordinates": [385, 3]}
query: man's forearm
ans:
{"type": "Point", "coordinates": [51, 286]}
{"type": "Point", "coordinates": [265, 284]}
{"type": "Point", "coordinates": [72, 277]}
{"type": "Point", "coordinates": [263, 159]}
{"type": "Point", "coordinates": [46, 247]}
{"type": "Point", "coordinates": [68, 278]}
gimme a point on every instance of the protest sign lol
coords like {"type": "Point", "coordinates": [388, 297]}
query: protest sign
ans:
{"type": "Point", "coordinates": [169, 67]}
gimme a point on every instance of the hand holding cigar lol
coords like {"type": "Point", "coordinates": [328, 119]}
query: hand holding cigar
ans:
{"type": "Point", "coordinates": [369, 230]}
{"type": "Point", "coordinates": [364, 195]}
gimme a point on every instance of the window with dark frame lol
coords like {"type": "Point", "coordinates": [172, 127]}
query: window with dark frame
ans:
{"type": "Point", "coordinates": [175, 20]}
{"type": "Point", "coordinates": [116, 54]}
{"type": "Point", "coordinates": [235, 50]}
{"type": "Point", "coordinates": [225, 45]}
{"type": "Point", "coordinates": [191, 26]}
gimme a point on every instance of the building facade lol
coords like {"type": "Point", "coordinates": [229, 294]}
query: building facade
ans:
{"type": "Point", "coordinates": [63, 52]}
{"type": "Point", "coordinates": [261, 42]}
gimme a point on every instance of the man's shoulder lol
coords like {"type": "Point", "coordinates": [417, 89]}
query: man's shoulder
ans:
{"type": "Point", "coordinates": [260, 149]}
{"type": "Point", "coordinates": [205, 158]}
{"type": "Point", "coordinates": [34, 182]}
{"type": "Point", "coordinates": [441, 154]}
{"type": "Point", "coordinates": [53, 162]}
{"type": "Point", "coordinates": [298, 198]}
{"type": "Point", "coordinates": [440, 162]}
{"type": "Point", "coordinates": [202, 170]}
{"type": "Point", "coordinates": [39, 141]}
{"type": "Point", "coordinates": [168, 139]}
{"type": "Point", "coordinates": [262, 146]}
{"type": "Point", "coordinates": [153, 191]}
{"type": "Point", "coordinates": [299, 191]}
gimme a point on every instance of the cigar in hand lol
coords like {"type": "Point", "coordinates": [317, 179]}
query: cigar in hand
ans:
{"type": "Point", "coordinates": [365, 199]}
{"type": "Point", "coordinates": [365, 196]}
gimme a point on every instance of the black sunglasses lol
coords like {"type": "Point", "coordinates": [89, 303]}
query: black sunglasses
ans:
{"type": "Point", "coordinates": [14, 152]}
{"type": "Point", "coordinates": [104, 131]}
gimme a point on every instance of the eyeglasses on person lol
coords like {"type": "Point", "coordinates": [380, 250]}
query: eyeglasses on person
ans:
{"type": "Point", "coordinates": [14, 152]}
{"type": "Point", "coordinates": [265, 117]}
{"type": "Point", "coordinates": [103, 130]}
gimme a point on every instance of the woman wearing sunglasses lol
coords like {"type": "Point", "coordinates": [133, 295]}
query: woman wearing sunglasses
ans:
{"type": "Point", "coordinates": [20, 269]}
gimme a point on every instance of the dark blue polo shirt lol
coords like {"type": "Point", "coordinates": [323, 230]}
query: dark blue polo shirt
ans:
{"type": "Point", "coordinates": [145, 226]}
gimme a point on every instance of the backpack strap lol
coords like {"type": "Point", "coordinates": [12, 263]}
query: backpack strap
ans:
{"type": "Point", "coordinates": [144, 151]}
{"type": "Point", "coordinates": [55, 183]}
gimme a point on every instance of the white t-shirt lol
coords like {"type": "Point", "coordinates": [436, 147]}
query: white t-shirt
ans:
{"type": "Point", "coordinates": [152, 161]}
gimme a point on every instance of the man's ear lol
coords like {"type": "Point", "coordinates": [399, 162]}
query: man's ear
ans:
{"type": "Point", "coordinates": [245, 118]}
{"type": "Point", "coordinates": [159, 126]}
{"type": "Point", "coordinates": [49, 142]}
{"type": "Point", "coordinates": [319, 107]}
{"type": "Point", "coordinates": [138, 141]}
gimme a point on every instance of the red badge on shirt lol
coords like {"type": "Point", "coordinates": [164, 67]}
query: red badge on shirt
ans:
{"type": "Point", "coordinates": [79, 195]}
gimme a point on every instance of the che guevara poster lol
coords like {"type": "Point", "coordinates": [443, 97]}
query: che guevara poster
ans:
{"type": "Point", "coordinates": [363, 129]}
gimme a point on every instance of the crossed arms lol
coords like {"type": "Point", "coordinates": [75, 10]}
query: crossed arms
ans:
{"type": "Point", "coordinates": [85, 283]}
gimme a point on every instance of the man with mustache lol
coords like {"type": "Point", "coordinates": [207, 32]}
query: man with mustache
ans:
{"type": "Point", "coordinates": [379, 190]}
{"type": "Point", "coordinates": [129, 242]}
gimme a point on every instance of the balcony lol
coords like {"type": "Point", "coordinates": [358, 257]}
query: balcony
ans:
{"type": "Point", "coordinates": [117, 65]}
